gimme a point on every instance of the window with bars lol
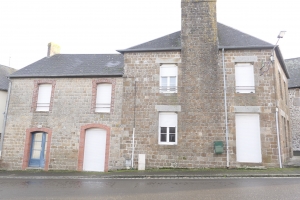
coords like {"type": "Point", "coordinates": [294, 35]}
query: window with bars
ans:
{"type": "Point", "coordinates": [244, 78]}
{"type": "Point", "coordinates": [168, 78]}
{"type": "Point", "coordinates": [103, 98]}
{"type": "Point", "coordinates": [280, 86]}
{"type": "Point", "coordinates": [44, 97]}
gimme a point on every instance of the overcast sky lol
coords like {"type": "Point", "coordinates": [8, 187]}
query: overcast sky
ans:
{"type": "Point", "coordinates": [103, 26]}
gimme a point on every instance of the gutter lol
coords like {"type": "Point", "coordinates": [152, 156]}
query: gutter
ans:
{"type": "Point", "coordinates": [149, 49]}
{"type": "Point", "coordinates": [67, 76]}
{"type": "Point", "coordinates": [179, 48]}
{"type": "Point", "coordinates": [5, 117]}
{"type": "Point", "coordinates": [247, 47]}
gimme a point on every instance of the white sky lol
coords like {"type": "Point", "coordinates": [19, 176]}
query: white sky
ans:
{"type": "Point", "coordinates": [103, 26]}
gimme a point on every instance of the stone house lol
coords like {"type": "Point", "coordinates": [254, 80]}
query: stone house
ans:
{"type": "Point", "coordinates": [57, 105]}
{"type": "Point", "coordinates": [206, 96]}
{"type": "Point", "coordinates": [4, 85]}
{"type": "Point", "coordinates": [293, 66]}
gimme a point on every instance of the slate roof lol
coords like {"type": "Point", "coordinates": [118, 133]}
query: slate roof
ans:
{"type": "Point", "coordinates": [4, 72]}
{"type": "Point", "coordinates": [74, 65]}
{"type": "Point", "coordinates": [293, 67]}
{"type": "Point", "coordinates": [228, 38]}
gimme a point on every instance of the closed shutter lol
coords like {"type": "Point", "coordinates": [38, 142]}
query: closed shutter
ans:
{"type": "Point", "coordinates": [168, 78]}
{"type": "Point", "coordinates": [44, 97]}
{"type": "Point", "coordinates": [244, 78]}
{"type": "Point", "coordinates": [103, 100]}
{"type": "Point", "coordinates": [94, 150]}
{"type": "Point", "coordinates": [248, 143]}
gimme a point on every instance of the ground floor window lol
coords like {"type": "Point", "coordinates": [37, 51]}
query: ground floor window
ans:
{"type": "Point", "coordinates": [167, 128]}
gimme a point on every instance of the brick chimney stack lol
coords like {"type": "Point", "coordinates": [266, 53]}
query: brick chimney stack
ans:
{"type": "Point", "coordinates": [53, 49]}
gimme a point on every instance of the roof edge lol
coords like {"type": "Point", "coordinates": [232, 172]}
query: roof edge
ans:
{"type": "Point", "coordinates": [247, 47]}
{"type": "Point", "coordinates": [294, 87]}
{"type": "Point", "coordinates": [281, 60]}
{"type": "Point", "coordinates": [179, 48]}
{"type": "Point", "coordinates": [66, 76]}
{"type": "Point", "coordinates": [151, 50]}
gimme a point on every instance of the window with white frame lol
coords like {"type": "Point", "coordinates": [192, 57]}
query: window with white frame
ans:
{"type": "Point", "coordinates": [103, 98]}
{"type": "Point", "coordinates": [168, 78]}
{"type": "Point", "coordinates": [44, 97]}
{"type": "Point", "coordinates": [244, 78]}
{"type": "Point", "coordinates": [167, 128]}
{"type": "Point", "coordinates": [285, 93]}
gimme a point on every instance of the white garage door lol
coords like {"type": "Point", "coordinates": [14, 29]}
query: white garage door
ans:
{"type": "Point", "coordinates": [94, 150]}
{"type": "Point", "coordinates": [248, 145]}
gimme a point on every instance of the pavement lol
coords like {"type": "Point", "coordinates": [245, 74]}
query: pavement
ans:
{"type": "Point", "coordinates": [291, 169]}
{"type": "Point", "coordinates": [153, 174]}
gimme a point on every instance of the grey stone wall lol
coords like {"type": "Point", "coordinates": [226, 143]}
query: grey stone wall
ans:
{"type": "Point", "coordinates": [264, 100]}
{"type": "Point", "coordinates": [294, 96]}
{"type": "Point", "coordinates": [199, 97]}
{"type": "Point", "coordinates": [71, 109]}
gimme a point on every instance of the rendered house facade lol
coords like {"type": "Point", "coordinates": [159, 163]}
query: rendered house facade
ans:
{"type": "Point", "coordinates": [169, 102]}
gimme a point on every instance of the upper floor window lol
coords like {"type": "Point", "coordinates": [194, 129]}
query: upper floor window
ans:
{"type": "Point", "coordinates": [244, 78]}
{"type": "Point", "coordinates": [168, 78]}
{"type": "Point", "coordinates": [167, 128]}
{"type": "Point", "coordinates": [44, 97]}
{"type": "Point", "coordinates": [103, 99]}
{"type": "Point", "coordinates": [280, 86]}
{"type": "Point", "coordinates": [285, 93]}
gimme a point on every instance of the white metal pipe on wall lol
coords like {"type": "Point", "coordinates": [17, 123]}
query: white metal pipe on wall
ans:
{"type": "Point", "coordinates": [225, 105]}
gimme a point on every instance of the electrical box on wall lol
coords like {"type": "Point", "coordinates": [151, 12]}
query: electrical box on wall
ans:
{"type": "Point", "coordinates": [218, 147]}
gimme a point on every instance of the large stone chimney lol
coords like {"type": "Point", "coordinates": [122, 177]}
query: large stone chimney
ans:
{"type": "Point", "coordinates": [53, 49]}
{"type": "Point", "coordinates": [202, 99]}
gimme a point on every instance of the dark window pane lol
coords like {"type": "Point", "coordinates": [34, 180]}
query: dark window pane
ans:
{"type": "Point", "coordinates": [163, 137]}
{"type": "Point", "coordinates": [163, 129]}
{"type": "Point", "coordinates": [172, 130]}
{"type": "Point", "coordinates": [172, 138]}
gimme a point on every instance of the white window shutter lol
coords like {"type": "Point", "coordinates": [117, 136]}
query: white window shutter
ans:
{"type": "Point", "coordinates": [248, 142]}
{"type": "Point", "coordinates": [244, 78]}
{"type": "Point", "coordinates": [168, 78]}
{"type": "Point", "coordinates": [103, 99]}
{"type": "Point", "coordinates": [168, 119]}
{"type": "Point", "coordinates": [44, 97]}
{"type": "Point", "coordinates": [168, 70]}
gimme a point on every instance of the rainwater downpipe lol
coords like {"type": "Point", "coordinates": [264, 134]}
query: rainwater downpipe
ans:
{"type": "Point", "coordinates": [5, 118]}
{"type": "Point", "coordinates": [225, 105]}
{"type": "Point", "coordinates": [278, 140]}
{"type": "Point", "coordinates": [133, 130]}
{"type": "Point", "coordinates": [276, 114]}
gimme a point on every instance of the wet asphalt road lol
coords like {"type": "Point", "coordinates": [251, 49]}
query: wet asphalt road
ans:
{"type": "Point", "coordinates": [146, 189]}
